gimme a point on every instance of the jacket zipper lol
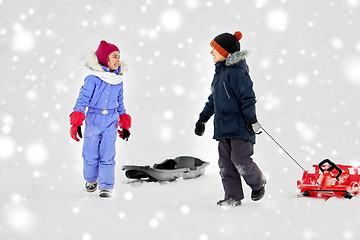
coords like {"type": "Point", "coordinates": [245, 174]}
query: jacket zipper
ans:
{"type": "Point", "coordinates": [227, 93]}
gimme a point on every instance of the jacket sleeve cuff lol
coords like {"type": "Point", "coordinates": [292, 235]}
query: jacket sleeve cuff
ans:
{"type": "Point", "coordinates": [203, 118]}
{"type": "Point", "coordinates": [252, 120]}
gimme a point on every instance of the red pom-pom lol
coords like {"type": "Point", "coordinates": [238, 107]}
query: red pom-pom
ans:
{"type": "Point", "coordinates": [238, 35]}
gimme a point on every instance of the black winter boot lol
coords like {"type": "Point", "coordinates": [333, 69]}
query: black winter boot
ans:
{"type": "Point", "coordinates": [105, 193]}
{"type": "Point", "coordinates": [257, 195]}
{"type": "Point", "coordinates": [91, 187]}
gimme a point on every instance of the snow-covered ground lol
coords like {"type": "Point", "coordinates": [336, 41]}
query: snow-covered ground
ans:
{"type": "Point", "coordinates": [305, 63]}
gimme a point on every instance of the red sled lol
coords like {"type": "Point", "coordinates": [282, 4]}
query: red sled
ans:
{"type": "Point", "coordinates": [330, 180]}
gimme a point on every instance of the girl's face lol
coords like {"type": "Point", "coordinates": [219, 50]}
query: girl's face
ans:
{"type": "Point", "coordinates": [114, 60]}
{"type": "Point", "coordinates": [217, 56]}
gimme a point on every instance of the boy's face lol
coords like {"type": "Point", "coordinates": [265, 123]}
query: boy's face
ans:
{"type": "Point", "coordinates": [217, 56]}
{"type": "Point", "coordinates": [114, 60]}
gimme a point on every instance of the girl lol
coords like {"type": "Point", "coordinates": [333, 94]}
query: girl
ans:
{"type": "Point", "coordinates": [102, 94]}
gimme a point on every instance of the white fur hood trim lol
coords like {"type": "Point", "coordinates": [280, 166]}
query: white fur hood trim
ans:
{"type": "Point", "coordinates": [236, 57]}
{"type": "Point", "coordinates": [92, 62]}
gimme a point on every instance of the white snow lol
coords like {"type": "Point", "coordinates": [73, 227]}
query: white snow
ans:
{"type": "Point", "coordinates": [260, 3]}
{"type": "Point", "coordinates": [277, 20]}
{"type": "Point", "coordinates": [304, 61]}
{"type": "Point", "coordinates": [192, 4]}
{"type": "Point", "coordinates": [305, 131]}
{"type": "Point", "coordinates": [351, 69]}
{"type": "Point", "coordinates": [23, 40]}
{"type": "Point", "coordinates": [36, 154]}
{"type": "Point", "coordinates": [352, 3]}
{"type": "Point", "coordinates": [108, 19]}
{"type": "Point", "coordinates": [171, 19]}
{"type": "Point", "coordinates": [7, 146]}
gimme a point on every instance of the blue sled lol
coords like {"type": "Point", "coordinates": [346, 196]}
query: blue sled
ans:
{"type": "Point", "coordinates": [169, 170]}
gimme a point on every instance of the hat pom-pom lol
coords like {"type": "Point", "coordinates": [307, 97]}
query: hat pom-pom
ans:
{"type": "Point", "coordinates": [238, 35]}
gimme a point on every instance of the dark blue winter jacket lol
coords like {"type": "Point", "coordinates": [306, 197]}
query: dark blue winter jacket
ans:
{"type": "Point", "coordinates": [232, 99]}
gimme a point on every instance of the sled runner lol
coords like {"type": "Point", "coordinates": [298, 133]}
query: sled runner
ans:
{"type": "Point", "coordinates": [330, 180]}
{"type": "Point", "coordinates": [168, 170]}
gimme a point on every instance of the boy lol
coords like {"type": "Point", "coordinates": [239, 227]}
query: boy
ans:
{"type": "Point", "coordinates": [233, 102]}
{"type": "Point", "coordinates": [102, 94]}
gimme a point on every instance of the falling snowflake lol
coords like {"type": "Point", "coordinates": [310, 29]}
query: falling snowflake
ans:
{"type": "Point", "coordinates": [7, 147]}
{"type": "Point", "coordinates": [351, 70]}
{"type": "Point", "coordinates": [192, 4]}
{"type": "Point", "coordinates": [128, 196]}
{"type": "Point", "coordinates": [168, 114]}
{"type": "Point", "coordinates": [171, 20]}
{"type": "Point", "coordinates": [36, 154]}
{"type": "Point", "coordinates": [277, 20]}
{"type": "Point", "coordinates": [20, 219]}
{"type": "Point", "coordinates": [86, 236]}
{"type": "Point", "coordinates": [185, 209]}
{"type": "Point", "coordinates": [305, 131]}
{"type": "Point", "coordinates": [24, 40]}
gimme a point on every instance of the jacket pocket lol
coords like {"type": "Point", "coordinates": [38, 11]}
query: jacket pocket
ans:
{"type": "Point", "coordinates": [229, 123]}
{"type": "Point", "coordinates": [226, 91]}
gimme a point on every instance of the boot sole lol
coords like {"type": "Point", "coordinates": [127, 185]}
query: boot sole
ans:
{"type": "Point", "coordinates": [259, 197]}
{"type": "Point", "coordinates": [91, 190]}
{"type": "Point", "coordinates": [105, 194]}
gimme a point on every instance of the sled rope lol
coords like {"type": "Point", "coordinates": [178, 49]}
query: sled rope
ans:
{"type": "Point", "coordinates": [291, 157]}
{"type": "Point", "coordinates": [127, 147]}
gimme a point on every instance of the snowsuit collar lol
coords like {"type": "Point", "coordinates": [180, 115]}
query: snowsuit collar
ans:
{"type": "Point", "coordinates": [96, 69]}
{"type": "Point", "coordinates": [109, 77]}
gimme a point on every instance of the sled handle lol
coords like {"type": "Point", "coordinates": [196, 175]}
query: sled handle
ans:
{"type": "Point", "coordinates": [333, 166]}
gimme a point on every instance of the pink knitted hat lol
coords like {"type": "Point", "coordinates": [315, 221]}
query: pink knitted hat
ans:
{"type": "Point", "coordinates": [104, 51]}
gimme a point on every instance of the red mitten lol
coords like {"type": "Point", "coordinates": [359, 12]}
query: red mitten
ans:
{"type": "Point", "coordinates": [124, 121]}
{"type": "Point", "coordinates": [125, 124]}
{"type": "Point", "coordinates": [76, 120]}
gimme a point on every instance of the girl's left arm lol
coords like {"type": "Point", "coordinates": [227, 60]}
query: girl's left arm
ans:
{"type": "Point", "coordinates": [121, 108]}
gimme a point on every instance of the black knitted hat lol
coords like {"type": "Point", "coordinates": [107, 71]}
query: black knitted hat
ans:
{"type": "Point", "coordinates": [226, 43]}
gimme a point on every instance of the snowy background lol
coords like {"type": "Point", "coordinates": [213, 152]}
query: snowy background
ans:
{"type": "Point", "coordinates": [305, 63]}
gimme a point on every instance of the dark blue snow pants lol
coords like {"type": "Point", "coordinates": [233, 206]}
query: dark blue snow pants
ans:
{"type": "Point", "coordinates": [99, 148]}
{"type": "Point", "coordinates": [235, 161]}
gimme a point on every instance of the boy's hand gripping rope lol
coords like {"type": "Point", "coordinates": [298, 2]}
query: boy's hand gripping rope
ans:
{"type": "Point", "coordinates": [291, 157]}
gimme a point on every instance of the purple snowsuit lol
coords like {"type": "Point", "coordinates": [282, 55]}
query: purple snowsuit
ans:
{"type": "Point", "coordinates": [102, 94]}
